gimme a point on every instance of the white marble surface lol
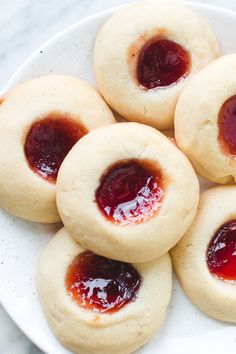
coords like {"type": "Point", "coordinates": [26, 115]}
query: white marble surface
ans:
{"type": "Point", "coordinates": [25, 25]}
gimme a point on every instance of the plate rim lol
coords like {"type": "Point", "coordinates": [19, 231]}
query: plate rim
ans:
{"type": "Point", "coordinates": [89, 18]}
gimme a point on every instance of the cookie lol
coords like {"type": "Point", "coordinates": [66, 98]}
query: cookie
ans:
{"type": "Point", "coordinates": [127, 198]}
{"type": "Point", "coordinates": [144, 55]}
{"type": "Point", "coordinates": [98, 305]}
{"type": "Point", "coordinates": [205, 121]}
{"type": "Point", "coordinates": [40, 121]}
{"type": "Point", "coordinates": [205, 259]}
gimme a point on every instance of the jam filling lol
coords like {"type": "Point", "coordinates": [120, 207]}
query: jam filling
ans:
{"type": "Point", "coordinates": [221, 252]}
{"type": "Point", "coordinates": [227, 127]}
{"type": "Point", "coordinates": [101, 284]}
{"type": "Point", "coordinates": [161, 63]}
{"type": "Point", "coordinates": [130, 192]}
{"type": "Point", "coordinates": [49, 141]}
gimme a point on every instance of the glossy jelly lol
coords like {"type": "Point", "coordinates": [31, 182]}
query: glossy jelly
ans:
{"type": "Point", "coordinates": [221, 252]}
{"type": "Point", "coordinates": [101, 284]}
{"type": "Point", "coordinates": [227, 126]}
{"type": "Point", "coordinates": [48, 142]}
{"type": "Point", "coordinates": [161, 63]}
{"type": "Point", "coordinates": [130, 192]}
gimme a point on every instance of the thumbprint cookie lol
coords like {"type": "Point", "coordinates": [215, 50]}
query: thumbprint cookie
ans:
{"type": "Point", "coordinates": [205, 121]}
{"type": "Point", "coordinates": [40, 121]}
{"type": "Point", "coordinates": [98, 305]}
{"type": "Point", "coordinates": [132, 198]}
{"type": "Point", "coordinates": [145, 53]}
{"type": "Point", "coordinates": [205, 258]}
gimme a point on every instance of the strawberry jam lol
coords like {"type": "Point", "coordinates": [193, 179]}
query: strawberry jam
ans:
{"type": "Point", "coordinates": [130, 192]}
{"type": "Point", "coordinates": [221, 252]}
{"type": "Point", "coordinates": [227, 126]}
{"type": "Point", "coordinates": [48, 142]}
{"type": "Point", "coordinates": [101, 284]}
{"type": "Point", "coordinates": [161, 63]}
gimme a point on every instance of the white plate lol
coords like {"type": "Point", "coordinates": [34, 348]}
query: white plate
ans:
{"type": "Point", "coordinates": [186, 330]}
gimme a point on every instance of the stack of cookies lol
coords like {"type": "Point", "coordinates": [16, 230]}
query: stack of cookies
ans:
{"type": "Point", "coordinates": [125, 193]}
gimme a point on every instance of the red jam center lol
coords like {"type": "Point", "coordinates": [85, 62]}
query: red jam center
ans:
{"type": "Point", "coordinates": [161, 63]}
{"type": "Point", "coordinates": [49, 141]}
{"type": "Point", "coordinates": [227, 126]}
{"type": "Point", "coordinates": [221, 252]}
{"type": "Point", "coordinates": [130, 192]}
{"type": "Point", "coordinates": [101, 284]}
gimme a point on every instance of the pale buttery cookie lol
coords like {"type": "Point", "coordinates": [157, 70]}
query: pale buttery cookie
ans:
{"type": "Point", "coordinates": [205, 121]}
{"type": "Point", "coordinates": [145, 53]}
{"type": "Point", "coordinates": [205, 258]}
{"type": "Point", "coordinates": [97, 305]}
{"type": "Point", "coordinates": [40, 121]}
{"type": "Point", "coordinates": [132, 198]}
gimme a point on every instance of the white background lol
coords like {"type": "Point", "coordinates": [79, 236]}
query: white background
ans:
{"type": "Point", "coordinates": [24, 26]}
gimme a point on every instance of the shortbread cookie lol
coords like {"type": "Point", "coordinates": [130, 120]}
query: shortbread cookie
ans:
{"type": "Point", "coordinates": [145, 53]}
{"type": "Point", "coordinates": [205, 121]}
{"type": "Point", "coordinates": [205, 258]}
{"type": "Point", "coordinates": [98, 305]}
{"type": "Point", "coordinates": [40, 121]}
{"type": "Point", "coordinates": [132, 198]}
